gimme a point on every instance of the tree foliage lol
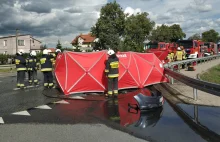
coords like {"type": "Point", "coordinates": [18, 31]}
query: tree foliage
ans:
{"type": "Point", "coordinates": [176, 33]}
{"type": "Point", "coordinates": [137, 28]}
{"type": "Point", "coordinates": [117, 30]}
{"type": "Point", "coordinates": [195, 37]}
{"type": "Point", "coordinates": [59, 46]}
{"type": "Point", "coordinates": [167, 33]}
{"type": "Point", "coordinates": [161, 33]}
{"type": "Point", "coordinates": [42, 47]}
{"type": "Point", "coordinates": [110, 26]}
{"type": "Point", "coordinates": [210, 36]}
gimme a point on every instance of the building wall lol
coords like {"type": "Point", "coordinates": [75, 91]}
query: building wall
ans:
{"type": "Point", "coordinates": [10, 47]}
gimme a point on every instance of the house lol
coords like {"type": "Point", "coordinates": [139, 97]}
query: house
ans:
{"type": "Point", "coordinates": [84, 42]}
{"type": "Point", "coordinates": [25, 42]}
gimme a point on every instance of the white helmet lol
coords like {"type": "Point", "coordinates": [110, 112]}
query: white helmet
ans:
{"type": "Point", "coordinates": [58, 50]}
{"type": "Point", "coordinates": [49, 50]}
{"type": "Point", "coordinates": [33, 53]}
{"type": "Point", "coordinates": [20, 51]}
{"type": "Point", "coordinates": [45, 52]}
{"type": "Point", "coordinates": [97, 50]}
{"type": "Point", "coordinates": [111, 52]}
{"type": "Point", "coordinates": [178, 48]}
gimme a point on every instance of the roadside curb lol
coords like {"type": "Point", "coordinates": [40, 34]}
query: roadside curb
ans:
{"type": "Point", "coordinates": [176, 97]}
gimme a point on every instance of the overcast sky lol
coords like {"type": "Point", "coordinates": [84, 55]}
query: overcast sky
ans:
{"type": "Point", "coordinates": [51, 20]}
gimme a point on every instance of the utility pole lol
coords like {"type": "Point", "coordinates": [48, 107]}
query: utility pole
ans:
{"type": "Point", "coordinates": [16, 40]}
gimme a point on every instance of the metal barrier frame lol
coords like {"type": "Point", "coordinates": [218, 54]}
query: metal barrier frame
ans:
{"type": "Point", "coordinates": [196, 83]}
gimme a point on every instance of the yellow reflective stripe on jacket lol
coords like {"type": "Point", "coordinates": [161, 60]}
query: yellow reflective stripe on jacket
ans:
{"type": "Point", "coordinates": [113, 75]}
{"type": "Point", "coordinates": [17, 61]}
{"type": "Point", "coordinates": [114, 64]}
{"type": "Point", "coordinates": [21, 69]}
{"type": "Point", "coordinates": [106, 70]}
{"type": "Point", "coordinates": [43, 60]}
{"type": "Point", "coordinates": [46, 69]}
{"type": "Point", "coordinates": [179, 55]}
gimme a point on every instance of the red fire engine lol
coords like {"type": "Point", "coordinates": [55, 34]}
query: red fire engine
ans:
{"type": "Point", "coordinates": [194, 48]}
{"type": "Point", "coordinates": [161, 49]}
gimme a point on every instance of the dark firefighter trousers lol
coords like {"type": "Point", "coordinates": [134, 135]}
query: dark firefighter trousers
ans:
{"type": "Point", "coordinates": [32, 76]}
{"type": "Point", "coordinates": [20, 78]}
{"type": "Point", "coordinates": [113, 86]}
{"type": "Point", "coordinates": [48, 79]}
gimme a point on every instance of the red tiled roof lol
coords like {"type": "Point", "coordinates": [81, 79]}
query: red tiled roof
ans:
{"type": "Point", "coordinates": [87, 38]}
{"type": "Point", "coordinates": [52, 49]}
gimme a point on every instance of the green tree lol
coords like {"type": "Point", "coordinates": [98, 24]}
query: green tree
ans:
{"type": "Point", "coordinates": [137, 28]}
{"type": "Point", "coordinates": [176, 33]}
{"type": "Point", "coordinates": [42, 47]}
{"type": "Point", "coordinates": [59, 46]}
{"type": "Point", "coordinates": [166, 33]}
{"type": "Point", "coordinates": [110, 26]}
{"type": "Point", "coordinates": [195, 37]}
{"type": "Point", "coordinates": [161, 34]}
{"type": "Point", "coordinates": [210, 36]}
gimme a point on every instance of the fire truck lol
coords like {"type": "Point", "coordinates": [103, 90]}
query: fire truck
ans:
{"type": "Point", "coordinates": [218, 48]}
{"type": "Point", "coordinates": [193, 48]}
{"type": "Point", "coordinates": [161, 49]}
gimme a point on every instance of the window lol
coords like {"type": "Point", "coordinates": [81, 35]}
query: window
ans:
{"type": "Point", "coordinates": [21, 42]}
{"type": "Point", "coordinates": [162, 45]}
{"type": "Point", "coordinates": [33, 40]}
{"type": "Point", "coordinates": [5, 43]}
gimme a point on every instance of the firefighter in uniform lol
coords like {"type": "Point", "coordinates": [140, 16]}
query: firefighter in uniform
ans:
{"type": "Point", "coordinates": [58, 51]}
{"type": "Point", "coordinates": [112, 72]}
{"type": "Point", "coordinates": [179, 54]}
{"type": "Point", "coordinates": [184, 52]}
{"type": "Point", "coordinates": [169, 57]}
{"type": "Point", "coordinates": [47, 67]}
{"type": "Point", "coordinates": [32, 66]}
{"type": "Point", "coordinates": [21, 68]}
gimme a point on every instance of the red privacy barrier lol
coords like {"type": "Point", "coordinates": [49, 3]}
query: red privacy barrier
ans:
{"type": "Point", "coordinates": [84, 72]}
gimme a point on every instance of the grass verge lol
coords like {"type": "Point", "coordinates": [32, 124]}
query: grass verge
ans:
{"type": "Point", "coordinates": [212, 75]}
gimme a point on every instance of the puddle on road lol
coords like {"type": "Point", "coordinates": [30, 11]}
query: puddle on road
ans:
{"type": "Point", "coordinates": [170, 123]}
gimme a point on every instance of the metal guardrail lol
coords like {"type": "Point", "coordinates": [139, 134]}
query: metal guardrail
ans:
{"type": "Point", "coordinates": [208, 87]}
{"type": "Point", "coordinates": [208, 58]}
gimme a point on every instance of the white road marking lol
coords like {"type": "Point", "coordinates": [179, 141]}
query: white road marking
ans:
{"type": "Point", "coordinates": [43, 107]}
{"type": "Point", "coordinates": [77, 97]}
{"type": "Point", "coordinates": [16, 89]}
{"type": "Point", "coordinates": [62, 102]}
{"type": "Point", "coordinates": [22, 113]}
{"type": "Point", "coordinates": [1, 120]}
{"type": "Point", "coordinates": [30, 86]}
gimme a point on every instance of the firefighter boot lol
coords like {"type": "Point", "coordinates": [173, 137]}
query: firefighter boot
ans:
{"type": "Point", "coordinates": [51, 86]}
{"type": "Point", "coordinates": [45, 85]}
{"type": "Point", "coordinates": [115, 93]}
{"type": "Point", "coordinates": [30, 82]}
{"type": "Point", "coordinates": [22, 86]}
{"type": "Point", "coordinates": [36, 82]}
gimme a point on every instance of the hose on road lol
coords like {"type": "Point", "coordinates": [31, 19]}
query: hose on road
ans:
{"type": "Point", "coordinates": [48, 92]}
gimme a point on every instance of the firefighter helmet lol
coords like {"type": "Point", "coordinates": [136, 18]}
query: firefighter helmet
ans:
{"type": "Point", "coordinates": [49, 51]}
{"type": "Point", "coordinates": [45, 52]}
{"type": "Point", "coordinates": [20, 51]}
{"type": "Point", "coordinates": [58, 50]}
{"type": "Point", "coordinates": [33, 53]}
{"type": "Point", "coordinates": [178, 48]}
{"type": "Point", "coordinates": [111, 52]}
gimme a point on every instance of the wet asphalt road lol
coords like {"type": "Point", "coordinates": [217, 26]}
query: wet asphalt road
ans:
{"type": "Point", "coordinates": [17, 100]}
{"type": "Point", "coordinates": [80, 120]}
